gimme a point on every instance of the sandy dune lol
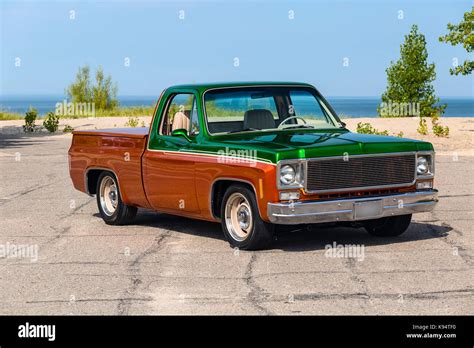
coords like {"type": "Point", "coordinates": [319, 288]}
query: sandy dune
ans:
{"type": "Point", "coordinates": [459, 143]}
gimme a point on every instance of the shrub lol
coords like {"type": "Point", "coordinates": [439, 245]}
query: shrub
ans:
{"type": "Point", "coordinates": [103, 94]}
{"type": "Point", "coordinates": [68, 129]}
{"type": "Point", "coordinates": [438, 129]}
{"type": "Point", "coordinates": [132, 122]}
{"type": "Point", "coordinates": [422, 127]}
{"type": "Point", "coordinates": [400, 134]}
{"type": "Point", "coordinates": [366, 128]}
{"type": "Point", "coordinates": [30, 119]}
{"type": "Point", "coordinates": [441, 131]}
{"type": "Point", "coordinates": [51, 122]}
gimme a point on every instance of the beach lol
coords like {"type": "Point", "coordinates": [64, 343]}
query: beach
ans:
{"type": "Point", "coordinates": [459, 143]}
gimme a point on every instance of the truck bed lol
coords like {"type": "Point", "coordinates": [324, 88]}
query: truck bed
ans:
{"type": "Point", "coordinates": [118, 150]}
{"type": "Point", "coordinates": [138, 132]}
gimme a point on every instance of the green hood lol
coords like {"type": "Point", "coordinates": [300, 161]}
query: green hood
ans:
{"type": "Point", "coordinates": [275, 146]}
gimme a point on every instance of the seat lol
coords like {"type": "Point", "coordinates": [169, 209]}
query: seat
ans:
{"type": "Point", "coordinates": [180, 121]}
{"type": "Point", "coordinates": [258, 118]}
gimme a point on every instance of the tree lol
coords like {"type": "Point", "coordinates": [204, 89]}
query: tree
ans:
{"type": "Point", "coordinates": [463, 33]}
{"type": "Point", "coordinates": [409, 79]}
{"type": "Point", "coordinates": [103, 94]}
{"type": "Point", "coordinates": [80, 91]}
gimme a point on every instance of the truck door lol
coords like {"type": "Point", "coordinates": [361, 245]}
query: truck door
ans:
{"type": "Point", "coordinates": [168, 171]}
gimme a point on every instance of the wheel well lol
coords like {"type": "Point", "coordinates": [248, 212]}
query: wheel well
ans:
{"type": "Point", "coordinates": [218, 190]}
{"type": "Point", "coordinates": [92, 177]}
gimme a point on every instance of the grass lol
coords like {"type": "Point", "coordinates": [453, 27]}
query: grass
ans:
{"type": "Point", "coordinates": [5, 116]}
{"type": "Point", "coordinates": [117, 112]}
{"type": "Point", "coordinates": [126, 112]}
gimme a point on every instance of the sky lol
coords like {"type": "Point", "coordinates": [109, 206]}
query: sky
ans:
{"type": "Point", "coordinates": [342, 47]}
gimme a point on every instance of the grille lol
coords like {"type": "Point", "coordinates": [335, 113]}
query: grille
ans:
{"type": "Point", "coordinates": [360, 172]}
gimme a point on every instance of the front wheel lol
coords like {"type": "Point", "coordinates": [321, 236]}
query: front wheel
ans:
{"type": "Point", "coordinates": [109, 201]}
{"type": "Point", "coordinates": [388, 226]}
{"type": "Point", "coordinates": [241, 221]}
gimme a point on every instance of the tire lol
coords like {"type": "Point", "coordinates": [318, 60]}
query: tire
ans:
{"type": "Point", "coordinates": [389, 226]}
{"type": "Point", "coordinates": [112, 210]}
{"type": "Point", "coordinates": [241, 222]}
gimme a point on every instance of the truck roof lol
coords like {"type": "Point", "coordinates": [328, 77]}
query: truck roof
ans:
{"type": "Point", "coordinates": [205, 86]}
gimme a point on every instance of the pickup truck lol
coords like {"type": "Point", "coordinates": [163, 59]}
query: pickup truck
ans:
{"type": "Point", "coordinates": [252, 156]}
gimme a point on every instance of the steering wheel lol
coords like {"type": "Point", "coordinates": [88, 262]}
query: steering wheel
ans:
{"type": "Point", "coordinates": [291, 118]}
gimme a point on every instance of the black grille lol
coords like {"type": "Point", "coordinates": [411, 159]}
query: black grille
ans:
{"type": "Point", "coordinates": [357, 172]}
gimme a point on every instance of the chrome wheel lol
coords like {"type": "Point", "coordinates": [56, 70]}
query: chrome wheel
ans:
{"type": "Point", "coordinates": [238, 216]}
{"type": "Point", "coordinates": [108, 194]}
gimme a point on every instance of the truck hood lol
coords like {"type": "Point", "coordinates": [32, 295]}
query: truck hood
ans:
{"type": "Point", "coordinates": [276, 146]}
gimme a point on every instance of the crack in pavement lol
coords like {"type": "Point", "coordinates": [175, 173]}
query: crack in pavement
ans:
{"type": "Point", "coordinates": [461, 195]}
{"type": "Point", "coordinates": [430, 295]}
{"type": "Point", "coordinates": [256, 295]}
{"type": "Point", "coordinates": [420, 295]}
{"type": "Point", "coordinates": [355, 277]}
{"type": "Point", "coordinates": [9, 198]}
{"type": "Point", "coordinates": [77, 209]}
{"type": "Point", "coordinates": [262, 275]}
{"type": "Point", "coordinates": [93, 300]}
{"type": "Point", "coordinates": [124, 305]}
{"type": "Point", "coordinates": [462, 251]}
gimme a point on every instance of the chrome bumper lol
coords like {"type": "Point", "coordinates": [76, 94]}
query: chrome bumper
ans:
{"type": "Point", "coordinates": [306, 212]}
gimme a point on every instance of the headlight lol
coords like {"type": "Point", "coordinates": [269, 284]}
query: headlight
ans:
{"type": "Point", "coordinates": [287, 175]}
{"type": "Point", "coordinates": [424, 165]}
{"type": "Point", "coordinates": [290, 174]}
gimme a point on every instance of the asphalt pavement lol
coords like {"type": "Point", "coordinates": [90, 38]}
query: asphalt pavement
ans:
{"type": "Point", "coordinates": [60, 258]}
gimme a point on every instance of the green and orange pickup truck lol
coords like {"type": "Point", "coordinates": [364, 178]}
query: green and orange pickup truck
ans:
{"type": "Point", "coordinates": [252, 156]}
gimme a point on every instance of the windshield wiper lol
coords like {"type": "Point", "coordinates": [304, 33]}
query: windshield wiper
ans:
{"type": "Point", "coordinates": [299, 126]}
{"type": "Point", "coordinates": [244, 130]}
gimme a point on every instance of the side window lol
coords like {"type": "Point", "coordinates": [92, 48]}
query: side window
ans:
{"type": "Point", "coordinates": [194, 120]}
{"type": "Point", "coordinates": [178, 113]}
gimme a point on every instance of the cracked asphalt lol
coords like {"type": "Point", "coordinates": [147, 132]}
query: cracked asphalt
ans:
{"type": "Point", "coordinates": [171, 265]}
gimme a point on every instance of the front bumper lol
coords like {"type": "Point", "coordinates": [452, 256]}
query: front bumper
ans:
{"type": "Point", "coordinates": [307, 212]}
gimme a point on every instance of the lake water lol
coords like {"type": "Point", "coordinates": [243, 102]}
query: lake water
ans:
{"type": "Point", "coordinates": [344, 106]}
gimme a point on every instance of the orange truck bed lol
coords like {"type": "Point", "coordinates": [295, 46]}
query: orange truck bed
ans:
{"type": "Point", "coordinates": [117, 149]}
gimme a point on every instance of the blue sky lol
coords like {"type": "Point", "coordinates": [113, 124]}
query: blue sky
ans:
{"type": "Point", "coordinates": [164, 50]}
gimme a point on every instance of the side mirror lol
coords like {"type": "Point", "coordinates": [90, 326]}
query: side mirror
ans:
{"type": "Point", "coordinates": [181, 132]}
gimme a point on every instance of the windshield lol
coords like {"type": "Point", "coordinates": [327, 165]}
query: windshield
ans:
{"type": "Point", "coordinates": [266, 108]}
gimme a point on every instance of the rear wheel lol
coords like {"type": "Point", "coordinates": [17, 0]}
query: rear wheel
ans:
{"type": "Point", "coordinates": [241, 221]}
{"type": "Point", "coordinates": [388, 226]}
{"type": "Point", "coordinates": [109, 201]}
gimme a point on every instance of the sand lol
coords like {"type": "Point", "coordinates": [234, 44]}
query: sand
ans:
{"type": "Point", "coordinates": [459, 143]}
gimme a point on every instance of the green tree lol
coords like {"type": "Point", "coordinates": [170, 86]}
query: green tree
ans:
{"type": "Point", "coordinates": [103, 94]}
{"type": "Point", "coordinates": [80, 90]}
{"type": "Point", "coordinates": [463, 33]}
{"type": "Point", "coordinates": [409, 80]}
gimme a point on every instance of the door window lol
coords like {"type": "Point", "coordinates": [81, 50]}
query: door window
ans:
{"type": "Point", "coordinates": [181, 113]}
